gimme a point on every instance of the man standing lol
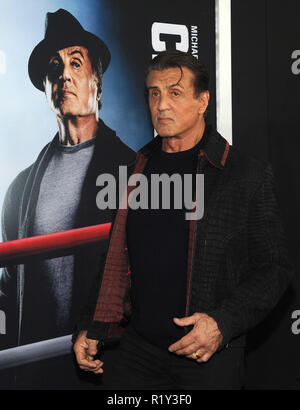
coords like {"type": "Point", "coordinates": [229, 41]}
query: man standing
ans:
{"type": "Point", "coordinates": [193, 289]}
{"type": "Point", "coordinates": [58, 192]}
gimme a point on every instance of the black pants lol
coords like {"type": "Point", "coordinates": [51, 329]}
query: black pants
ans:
{"type": "Point", "coordinates": [140, 365]}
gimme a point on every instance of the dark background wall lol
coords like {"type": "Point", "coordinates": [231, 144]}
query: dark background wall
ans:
{"type": "Point", "coordinates": [266, 122]}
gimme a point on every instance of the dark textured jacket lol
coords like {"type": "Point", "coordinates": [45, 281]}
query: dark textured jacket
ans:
{"type": "Point", "coordinates": [18, 215]}
{"type": "Point", "coordinates": [237, 262]}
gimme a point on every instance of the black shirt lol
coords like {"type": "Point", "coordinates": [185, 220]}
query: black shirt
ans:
{"type": "Point", "coordinates": [157, 242]}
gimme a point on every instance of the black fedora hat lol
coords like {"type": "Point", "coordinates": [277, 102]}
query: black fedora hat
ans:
{"type": "Point", "coordinates": [62, 30]}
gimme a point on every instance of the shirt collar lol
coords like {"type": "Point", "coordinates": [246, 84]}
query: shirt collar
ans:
{"type": "Point", "coordinates": [216, 148]}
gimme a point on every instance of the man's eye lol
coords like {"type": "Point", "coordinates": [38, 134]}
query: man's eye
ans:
{"type": "Point", "coordinates": [54, 64]}
{"type": "Point", "coordinates": [154, 94]}
{"type": "Point", "coordinates": [175, 93]}
{"type": "Point", "coordinates": [75, 64]}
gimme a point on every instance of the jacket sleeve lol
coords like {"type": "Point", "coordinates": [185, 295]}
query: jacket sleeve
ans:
{"type": "Point", "coordinates": [10, 220]}
{"type": "Point", "coordinates": [86, 315]}
{"type": "Point", "coordinates": [97, 330]}
{"type": "Point", "coordinates": [269, 269]}
{"type": "Point", "coordinates": [8, 275]}
{"type": "Point", "coordinates": [87, 311]}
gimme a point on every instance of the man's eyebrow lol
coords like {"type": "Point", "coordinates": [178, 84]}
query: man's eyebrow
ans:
{"type": "Point", "coordinates": [175, 85]}
{"type": "Point", "coordinates": [76, 52]}
{"type": "Point", "coordinates": [151, 87]}
{"type": "Point", "coordinates": [56, 55]}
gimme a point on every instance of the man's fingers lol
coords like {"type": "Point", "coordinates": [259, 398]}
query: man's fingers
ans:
{"type": "Point", "coordinates": [185, 321]}
{"type": "Point", "coordinates": [183, 343]}
{"type": "Point", "coordinates": [204, 358]}
{"type": "Point", "coordinates": [193, 354]}
{"type": "Point", "coordinates": [197, 353]}
{"type": "Point", "coordinates": [86, 361]}
{"type": "Point", "coordinates": [98, 369]}
{"type": "Point", "coordinates": [188, 350]}
{"type": "Point", "coordinates": [83, 359]}
{"type": "Point", "coordinates": [86, 365]}
{"type": "Point", "coordinates": [89, 364]}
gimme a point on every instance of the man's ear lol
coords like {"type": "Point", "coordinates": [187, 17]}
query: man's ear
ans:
{"type": "Point", "coordinates": [204, 100]}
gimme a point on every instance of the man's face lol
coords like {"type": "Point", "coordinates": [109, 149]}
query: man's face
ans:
{"type": "Point", "coordinates": [70, 84]}
{"type": "Point", "coordinates": [175, 110]}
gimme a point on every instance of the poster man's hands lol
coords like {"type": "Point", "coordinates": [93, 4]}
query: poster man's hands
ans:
{"type": "Point", "coordinates": [202, 341]}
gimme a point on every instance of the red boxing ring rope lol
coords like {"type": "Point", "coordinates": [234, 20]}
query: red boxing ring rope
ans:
{"type": "Point", "coordinates": [40, 244]}
{"type": "Point", "coordinates": [37, 245]}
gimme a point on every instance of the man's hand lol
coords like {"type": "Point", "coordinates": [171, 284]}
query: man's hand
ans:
{"type": "Point", "coordinates": [85, 349]}
{"type": "Point", "coordinates": [201, 342]}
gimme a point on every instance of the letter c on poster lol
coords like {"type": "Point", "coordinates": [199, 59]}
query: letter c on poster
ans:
{"type": "Point", "coordinates": [172, 29]}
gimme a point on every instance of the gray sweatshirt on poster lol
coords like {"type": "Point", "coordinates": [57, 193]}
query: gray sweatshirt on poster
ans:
{"type": "Point", "coordinates": [56, 209]}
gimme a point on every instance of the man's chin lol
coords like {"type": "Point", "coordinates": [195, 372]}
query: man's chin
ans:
{"type": "Point", "coordinates": [164, 131]}
{"type": "Point", "coordinates": [65, 112]}
{"type": "Point", "coordinates": [165, 134]}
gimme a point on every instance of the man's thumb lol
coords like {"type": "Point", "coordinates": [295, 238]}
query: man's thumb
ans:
{"type": "Point", "coordinates": [92, 350]}
{"type": "Point", "coordinates": [184, 321]}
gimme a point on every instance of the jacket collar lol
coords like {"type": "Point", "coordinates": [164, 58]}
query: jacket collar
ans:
{"type": "Point", "coordinates": [216, 149]}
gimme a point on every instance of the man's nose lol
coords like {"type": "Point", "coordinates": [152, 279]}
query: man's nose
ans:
{"type": "Point", "coordinates": [163, 103]}
{"type": "Point", "coordinates": [65, 73]}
